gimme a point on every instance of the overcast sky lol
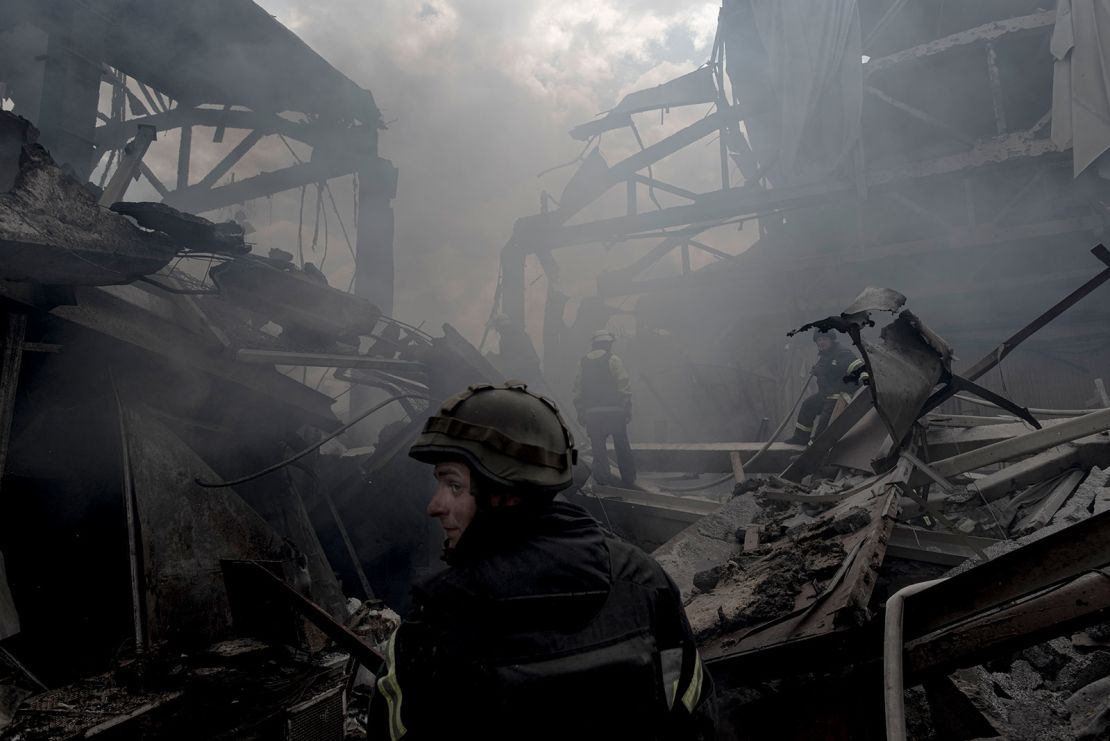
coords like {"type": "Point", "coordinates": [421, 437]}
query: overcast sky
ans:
{"type": "Point", "coordinates": [479, 96]}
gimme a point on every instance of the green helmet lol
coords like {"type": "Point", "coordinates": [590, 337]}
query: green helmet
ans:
{"type": "Point", "coordinates": [506, 433]}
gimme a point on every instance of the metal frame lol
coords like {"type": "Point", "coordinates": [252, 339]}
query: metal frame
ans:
{"type": "Point", "coordinates": [541, 233]}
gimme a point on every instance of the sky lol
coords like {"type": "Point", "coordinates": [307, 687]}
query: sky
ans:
{"type": "Point", "coordinates": [478, 96]}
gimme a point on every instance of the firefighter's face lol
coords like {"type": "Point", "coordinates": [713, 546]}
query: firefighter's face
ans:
{"type": "Point", "coordinates": [823, 344]}
{"type": "Point", "coordinates": [453, 504]}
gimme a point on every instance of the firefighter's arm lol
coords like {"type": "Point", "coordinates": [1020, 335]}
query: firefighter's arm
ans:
{"type": "Point", "coordinates": [576, 393]}
{"type": "Point", "coordinates": [691, 696]}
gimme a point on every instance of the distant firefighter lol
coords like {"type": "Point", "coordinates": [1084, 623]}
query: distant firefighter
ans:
{"type": "Point", "coordinates": [833, 364]}
{"type": "Point", "coordinates": [603, 401]}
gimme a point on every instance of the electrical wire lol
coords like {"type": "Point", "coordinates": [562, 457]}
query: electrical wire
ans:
{"type": "Point", "coordinates": [309, 449]}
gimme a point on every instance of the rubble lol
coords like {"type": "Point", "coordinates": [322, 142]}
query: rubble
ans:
{"type": "Point", "coordinates": [182, 553]}
{"type": "Point", "coordinates": [52, 230]}
{"type": "Point", "coordinates": [787, 577]}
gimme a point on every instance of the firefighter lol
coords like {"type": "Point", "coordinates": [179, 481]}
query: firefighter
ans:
{"type": "Point", "coordinates": [541, 627]}
{"type": "Point", "coordinates": [833, 361]}
{"type": "Point", "coordinates": [603, 402]}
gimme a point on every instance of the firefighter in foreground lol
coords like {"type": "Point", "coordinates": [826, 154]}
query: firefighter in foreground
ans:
{"type": "Point", "coordinates": [833, 361]}
{"type": "Point", "coordinates": [603, 401]}
{"type": "Point", "coordinates": [542, 627]}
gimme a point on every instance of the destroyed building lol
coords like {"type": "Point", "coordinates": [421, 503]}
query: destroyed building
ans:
{"type": "Point", "coordinates": [949, 151]}
{"type": "Point", "coordinates": [176, 536]}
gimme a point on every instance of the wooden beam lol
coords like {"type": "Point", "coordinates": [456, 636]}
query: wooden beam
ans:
{"type": "Point", "coordinates": [1043, 466]}
{"type": "Point", "coordinates": [1056, 611]}
{"type": "Point", "coordinates": [1025, 445]}
{"type": "Point", "coordinates": [737, 462]}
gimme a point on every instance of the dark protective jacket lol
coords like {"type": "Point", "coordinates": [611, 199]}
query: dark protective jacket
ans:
{"type": "Point", "coordinates": [602, 384]}
{"type": "Point", "coordinates": [544, 628]}
{"type": "Point", "coordinates": [832, 366]}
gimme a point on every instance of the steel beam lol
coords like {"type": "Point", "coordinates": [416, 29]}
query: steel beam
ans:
{"type": "Point", "coordinates": [129, 166]}
{"type": "Point", "coordinates": [986, 32]}
{"type": "Point", "coordinates": [1019, 145]}
{"type": "Point", "coordinates": [711, 207]}
{"type": "Point", "coordinates": [995, 356]}
{"type": "Point", "coordinates": [115, 134]}
{"type": "Point", "coordinates": [665, 187]}
{"type": "Point", "coordinates": [233, 157]}
{"type": "Point", "coordinates": [184, 155]}
{"type": "Point", "coordinates": [374, 269]}
{"type": "Point", "coordinates": [920, 115]}
{"type": "Point", "coordinates": [198, 198]}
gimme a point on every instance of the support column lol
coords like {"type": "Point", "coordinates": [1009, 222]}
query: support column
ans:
{"type": "Point", "coordinates": [71, 89]}
{"type": "Point", "coordinates": [377, 186]}
{"type": "Point", "coordinates": [512, 282]}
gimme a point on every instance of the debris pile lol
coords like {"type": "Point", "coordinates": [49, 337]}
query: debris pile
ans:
{"type": "Point", "coordinates": [788, 584]}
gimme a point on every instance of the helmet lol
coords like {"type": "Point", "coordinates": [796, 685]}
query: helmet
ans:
{"type": "Point", "coordinates": [826, 333]}
{"type": "Point", "coordinates": [504, 432]}
{"type": "Point", "coordinates": [603, 335]}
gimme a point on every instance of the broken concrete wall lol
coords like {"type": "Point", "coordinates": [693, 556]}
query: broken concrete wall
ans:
{"type": "Point", "coordinates": [53, 231]}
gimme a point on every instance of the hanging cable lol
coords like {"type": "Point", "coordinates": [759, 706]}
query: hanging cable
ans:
{"type": "Point", "coordinates": [316, 223]}
{"type": "Point", "coordinates": [651, 177]}
{"type": "Point", "coordinates": [300, 227]}
{"type": "Point", "coordinates": [568, 164]}
{"type": "Point", "coordinates": [325, 255]}
{"type": "Point", "coordinates": [766, 446]}
{"type": "Point", "coordinates": [335, 209]}
{"type": "Point", "coordinates": [310, 448]}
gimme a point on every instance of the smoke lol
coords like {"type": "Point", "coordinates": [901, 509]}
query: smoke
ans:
{"type": "Point", "coordinates": [478, 98]}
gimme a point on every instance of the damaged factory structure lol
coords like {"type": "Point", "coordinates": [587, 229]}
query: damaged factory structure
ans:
{"type": "Point", "coordinates": [210, 523]}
